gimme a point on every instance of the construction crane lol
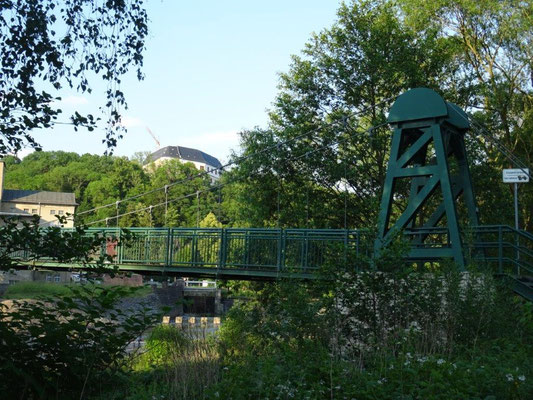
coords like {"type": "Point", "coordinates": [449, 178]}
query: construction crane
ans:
{"type": "Point", "coordinates": [154, 137]}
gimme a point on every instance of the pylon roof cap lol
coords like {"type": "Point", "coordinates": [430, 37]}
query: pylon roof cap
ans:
{"type": "Point", "coordinates": [424, 103]}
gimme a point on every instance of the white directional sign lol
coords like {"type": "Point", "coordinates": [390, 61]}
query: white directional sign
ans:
{"type": "Point", "coordinates": [516, 175]}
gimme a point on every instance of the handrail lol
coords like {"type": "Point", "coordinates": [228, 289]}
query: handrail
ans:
{"type": "Point", "coordinates": [522, 233]}
{"type": "Point", "coordinates": [278, 250]}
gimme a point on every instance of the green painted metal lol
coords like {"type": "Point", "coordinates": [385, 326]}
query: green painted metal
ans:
{"type": "Point", "coordinates": [265, 254]}
{"type": "Point", "coordinates": [417, 104]}
{"type": "Point", "coordinates": [428, 140]}
{"type": "Point", "coordinates": [427, 149]}
{"type": "Point", "coordinates": [222, 251]}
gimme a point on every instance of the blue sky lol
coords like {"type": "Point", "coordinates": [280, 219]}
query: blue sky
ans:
{"type": "Point", "coordinates": [211, 71]}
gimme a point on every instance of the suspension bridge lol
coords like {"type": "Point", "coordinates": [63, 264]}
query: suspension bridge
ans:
{"type": "Point", "coordinates": [428, 154]}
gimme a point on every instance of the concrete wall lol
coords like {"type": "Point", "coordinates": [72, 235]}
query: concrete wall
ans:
{"type": "Point", "coordinates": [171, 296]}
{"type": "Point", "coordinates": [12, 277]}
{"type": "Point", "coordinates": [52, 276]}
{"type": "Point", "coordinates": [15, 276]}
{"type": "Point", "coordinates": [133, 280]}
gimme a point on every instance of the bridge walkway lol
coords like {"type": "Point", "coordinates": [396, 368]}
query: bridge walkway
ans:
{"type": "Point", "coordinates": [266, 254]}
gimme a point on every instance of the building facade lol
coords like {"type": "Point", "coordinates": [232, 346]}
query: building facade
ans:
{"type": "Point", "coordinates": [24, 204]}
{"type": "Point", "coordinates": [201, 160]}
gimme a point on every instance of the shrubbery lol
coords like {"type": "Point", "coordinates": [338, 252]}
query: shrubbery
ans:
{"type": "Point", "coordinates": [408, 334]}
{"type": "Point", "coordinates": [68, 346]}
{"type": "Point", "coordinates": [371, 335]}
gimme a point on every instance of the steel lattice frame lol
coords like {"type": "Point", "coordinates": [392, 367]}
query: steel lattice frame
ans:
{"type": "Point", "coordinates": [422, 122]}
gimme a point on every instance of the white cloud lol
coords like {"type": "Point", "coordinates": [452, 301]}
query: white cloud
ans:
{"type": "Point", "coordinates": [131, 122]}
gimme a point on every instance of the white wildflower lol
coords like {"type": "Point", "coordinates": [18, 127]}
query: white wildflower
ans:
{"type": "Point", "coordinates": [509, 377]}
{"type": "Point", "coordinates": [440, 361]}
{"type": "Point", "coordinates": [522, 378]}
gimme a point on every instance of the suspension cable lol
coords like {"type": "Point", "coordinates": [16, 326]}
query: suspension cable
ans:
{"type": "Point", "coordinates": [483, 131]}
{"type": "Point", "coordinates": [235, 161]}
{"type": "Point", "coordinates": [204, 173]}
{"type": "Point", "coordinates": [198, 192]}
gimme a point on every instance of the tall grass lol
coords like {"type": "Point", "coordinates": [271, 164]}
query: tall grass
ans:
{"type": "Point", "coordinates": [185, 363]}
{"type": "Point", "coordinates": [33, 290]}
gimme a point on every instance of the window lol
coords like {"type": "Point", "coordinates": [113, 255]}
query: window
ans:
{"type": "Point", "coordinates": [48, 278]}
{"type": "Point", "coordinates": [52, 212]}
{"type": "Point", "coordinates": [57, 278]}
{"type": "Point", "coordinates": [201, 167]}
{"type": "Point", "coordinates": [60, 212]}
{"type": "Point", "coordinates": [34, 211]}
{"type": "Point", "coordinates": [27, 210]}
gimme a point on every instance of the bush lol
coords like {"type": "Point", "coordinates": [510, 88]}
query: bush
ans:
{"type": "Point", "coordinates": [68, 346]}
{"type": "Point", "coordinates": [372, 335]}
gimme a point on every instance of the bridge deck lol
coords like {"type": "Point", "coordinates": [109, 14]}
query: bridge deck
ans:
{"type": "Point", "coordinates": [251, 253]}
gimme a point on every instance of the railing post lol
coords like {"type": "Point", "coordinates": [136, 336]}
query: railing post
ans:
{"type": "Point", "coordinates": [357, 243]}
{"type": "Point", "coordinates": [517, 233]}
{"type": "Point", "coordinates": [222, 252]}
{"type": "Point", "coordinates": [167, 249]}
{"type": "Point", "coordinates": [119, 246]}
{"type": "Point", "coordinates": [357, 249]}
{"type": "Point", "coordinates": [278, 260]}
{"type": "Point", "coordinates": [246, 255]}
{"type": "Point", "coordinates": [345, 248]}
{"type": "Point", "coordinates": [305, 251]}
{"type": "Point", "coordinates": [146, 235]}
{"type": "Point", "coordinates": [500, 250]}
{"type": "Point", "coordinates": [194, 247]}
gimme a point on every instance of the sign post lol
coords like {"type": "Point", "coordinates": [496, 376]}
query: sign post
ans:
{"type": "Point", "coordinates": [516, 176]}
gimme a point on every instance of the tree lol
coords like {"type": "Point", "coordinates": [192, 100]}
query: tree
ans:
{"type": "Point", "coordinates": [141, 157]}
{"type": "Point", "coordinates": [331, 170]}
{"type": "Point", "coordinates": [332, 106]}
{"type": "Point", "coordinates": [210, 221]}
{"type": "Point", "coordinates": [70, 346]}
{"type": "Point", "coordinates": [24, 242]}
{"type": "Point", "coordinates": [189, 201]}
{"type": "Point", "coordinates": [495, 39]}
{"type": "Point", "coordinates": [48, 45]}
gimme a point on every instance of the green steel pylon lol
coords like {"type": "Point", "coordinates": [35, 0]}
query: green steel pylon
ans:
{"type": "Point", "coordinates": [428, 150]}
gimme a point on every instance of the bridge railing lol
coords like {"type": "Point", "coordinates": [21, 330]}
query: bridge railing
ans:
{"type": "Point", "coordinates": [502, 248]}
{"type": "Point", "coordinates": [506, 249]}
{"type": "Point", "coordinates": [279, 250]}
